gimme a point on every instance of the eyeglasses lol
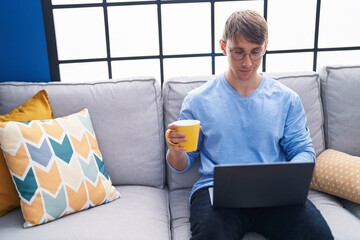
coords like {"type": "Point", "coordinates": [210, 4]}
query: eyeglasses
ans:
{"type": "Point", "coordinates": [239, 54]}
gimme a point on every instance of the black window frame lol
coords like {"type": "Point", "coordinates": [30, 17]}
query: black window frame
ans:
{"type": "Point", "coordinates": [54, 62]}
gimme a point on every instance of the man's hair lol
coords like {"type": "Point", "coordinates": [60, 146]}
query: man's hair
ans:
{"type": "Point", "coordinates": [248, 24]}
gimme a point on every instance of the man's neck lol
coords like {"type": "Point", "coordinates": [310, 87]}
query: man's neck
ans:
{"type": "Point", "coordinates": [243, 87]}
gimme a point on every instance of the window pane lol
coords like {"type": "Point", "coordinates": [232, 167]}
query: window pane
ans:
{"type": "Point", "coordinates": [80, 33]}
{"type": "Point", "coordinates": [84, 72]}
{"type": "Point", "coordinates": [125, 69]}
{"type": "Point", "coordinates": [221, 64]}
{"type": "Point", "coordinates": [59, 2]}
{"type": "Point", "coordinates": [133, 31]}
{"type": "Point", "coordinates": [291, 24]}
{"type": "Point", "coordinates": [186, 28]}
{"type": "Point", "coordinates": [338, 58]}
{"type": "Point", "coordinates": [288, 62]}
{"type": "Point", "coordinates": [174, 67]}
{"type": "Point", "coordinates": [224, 9]}
{"type": "Point", "coordinates": [339, 23]}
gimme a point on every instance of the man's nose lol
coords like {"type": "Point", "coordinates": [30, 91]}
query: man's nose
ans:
{"type": "Point", "coordinates": [247, 61]}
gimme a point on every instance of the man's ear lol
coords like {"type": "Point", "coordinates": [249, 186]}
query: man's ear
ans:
{"type": "Point", "coordinates": [266, 43]}
{"type": "Point", "coordinates": [223, 46]}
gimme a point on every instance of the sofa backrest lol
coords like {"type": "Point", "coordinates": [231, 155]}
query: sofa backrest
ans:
{"type": "Point", "coordinates": [306, 84]}
{"type": "Point", "coordinates": [341, 100]}
{"type": "Point", "coordinates": [127, 119]}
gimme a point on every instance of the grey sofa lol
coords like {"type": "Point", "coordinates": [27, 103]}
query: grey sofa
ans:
{"type": "Point", "coordinates": [129, 117]}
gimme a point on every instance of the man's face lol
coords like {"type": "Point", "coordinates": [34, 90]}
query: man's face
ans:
{"type": "Point", "coordinates": [244, 57]}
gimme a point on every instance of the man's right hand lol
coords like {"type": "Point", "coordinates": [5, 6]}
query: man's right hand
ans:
{"type": "Point", "coordinates": [175, 137]}
{"type": "Point", "coordinates": [176, 156]}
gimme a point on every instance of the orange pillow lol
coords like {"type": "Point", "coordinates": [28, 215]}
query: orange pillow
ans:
{"type": "Point", "coordinates": [337, 173]}
{"type": "Point", "coordinates": [36, 108]}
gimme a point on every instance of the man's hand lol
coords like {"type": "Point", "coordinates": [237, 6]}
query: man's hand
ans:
{"type": "Point", "coordinates": [176, 156]}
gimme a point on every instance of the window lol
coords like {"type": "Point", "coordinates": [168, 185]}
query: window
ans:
{"type": "Point", "coordinates": [101, 39]}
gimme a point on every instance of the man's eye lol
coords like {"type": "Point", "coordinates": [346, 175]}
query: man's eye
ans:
{"type": "Point", "coordinates": [239, 51]}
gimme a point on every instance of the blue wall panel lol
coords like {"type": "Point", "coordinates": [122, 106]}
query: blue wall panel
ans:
{"type": "Point", "coordinates": [23, 51]}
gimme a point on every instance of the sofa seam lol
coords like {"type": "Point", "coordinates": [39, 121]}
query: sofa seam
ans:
{"type": "Point", "coordinates": [161, 150]}
{"type": "Point", "coordinates": [296, 76]}
{"type": "Point", "coordinates": [165, 113]}
{"type": "Point", "coordinates": [170, 232]}
{"type": "Point", "coordinates": [318, 82]}
{"type": "Point", "coordinates": [325, 106]}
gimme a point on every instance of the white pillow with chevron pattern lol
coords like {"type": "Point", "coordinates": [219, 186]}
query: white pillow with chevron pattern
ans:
{"type": "Point", "coordinates": [56, 166]}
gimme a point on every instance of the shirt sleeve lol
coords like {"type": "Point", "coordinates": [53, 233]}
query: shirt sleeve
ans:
{"type": "Point", "coordinates": [296, 141]}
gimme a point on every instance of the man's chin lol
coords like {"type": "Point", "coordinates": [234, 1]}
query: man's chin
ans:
{"type": "Point", "coordinates": [246, 75]}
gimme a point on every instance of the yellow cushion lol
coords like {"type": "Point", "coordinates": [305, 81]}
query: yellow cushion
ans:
{"type": "Point", "coordinates": [337, 173]}
{"type": "Point", "coordinates": [57, 166]}
{"type": "Point", "coordinates": [37, 107]}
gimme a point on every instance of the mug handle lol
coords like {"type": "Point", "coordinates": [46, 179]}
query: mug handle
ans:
{"type": "Point", "coordinates": [168, 140]}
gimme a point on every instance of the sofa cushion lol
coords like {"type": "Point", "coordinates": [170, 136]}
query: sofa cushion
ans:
{"type": "Point", "coordinates": [337, 173]}
{"type": "Point", "coordinates": [352, 207]}
{"type": "Point", "coordinates": [120, 110]}
{"type": "Point", "coordinates": [141, 213]}
{"type": "Point", "coordinates": [306, 84]}
{"type": "Point", "coordinates": [56, 165]}
{"type": "Point", "coordinates": [37, 107]}
{"type": "Point", "coordinates": [340, 94]}
{"type": "Point", "coordinates": [342, 223]}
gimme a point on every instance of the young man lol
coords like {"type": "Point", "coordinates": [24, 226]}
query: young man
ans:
{"type": "Point", "coordinates": [245, 117]}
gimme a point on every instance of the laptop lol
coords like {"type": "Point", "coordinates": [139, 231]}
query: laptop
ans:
{"type": "Point", "coordinates": [261, 184]}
